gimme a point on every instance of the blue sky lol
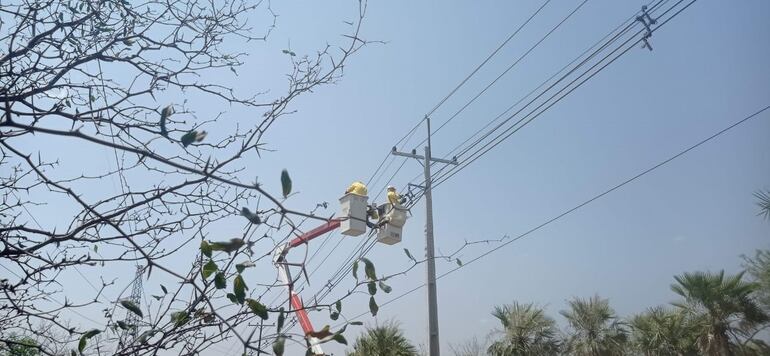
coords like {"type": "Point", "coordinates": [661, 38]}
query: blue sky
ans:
{"type": "Point", "coordinates": [708, 70]}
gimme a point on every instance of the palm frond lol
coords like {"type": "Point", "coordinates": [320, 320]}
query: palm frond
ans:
{"type": "Point", "coordinates": [763, 201]}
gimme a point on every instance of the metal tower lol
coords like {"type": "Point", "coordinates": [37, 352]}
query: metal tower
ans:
{"type": "Point", "coordinates": [133, 320]}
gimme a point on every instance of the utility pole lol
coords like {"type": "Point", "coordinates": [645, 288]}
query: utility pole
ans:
{"type": "Point", "coordinates": [426, 160]}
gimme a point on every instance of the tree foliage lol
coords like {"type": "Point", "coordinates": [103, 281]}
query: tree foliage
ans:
{"type": "Point", "coordinates": [16, 345]}
{"type": "Point", "coordinates": [595, 329]}
{"type": "Point", "coordinates": [758, 267]}
{"type": "Point", "coordinates": [763, 201]}
{"type": "Point", "coordinates": [128, 79]}
{"type": "Point", "coordinates": [383, 340]}
{"type": "Point", "coordinates": [662, 332]}
{"type": "Point", "coordinates": [723, 305]}
{"type": "Point", "coordinates": [526, 330]}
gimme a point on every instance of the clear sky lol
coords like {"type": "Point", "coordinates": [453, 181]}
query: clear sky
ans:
{"type": "Point", "coordinates": [709, 68]}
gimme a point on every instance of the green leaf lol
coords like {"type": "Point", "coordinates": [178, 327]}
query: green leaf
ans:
{"type": "Point", "coordinates": [132, 307]}
{"type": "Point", "coordinates": [232, 297]}
{"type": "Point", "coordinates": [278, 346]}
{"type": "Point", "coordinates": [188, 138]}
{"type": "Point", "coordinates": [408, 254]}
{"type": "Point", "coordinates": [281, 319]}
{"type": "Point", "coordinates": [373, 308]}
{"type": "Point", "coordinates": [122, 324]}
{"type": "Point", "coordinates": [180, 318]}
{"type": "Point", "coordinates": [372, 288]}
{"type": "Point", "coordinates": [355, 269]}
{"type": "Point", "coordinates": [146, 335]}
{"type": "Point", "coordinates": [338, 306]}
{"type": "Point", "coordinates": [164, 114]}
{"type": "Point", "coordinates": [339, 338]}
{"type": "Point", "coordinates": [285, 183]}
{"type": "Point", "coordinates": [220, 282]}
{"type": "Point", "coordinates": [84, 339]}
{"type": "Point", "coordinates": [208, 269]}
{"type": "Point", "coordinates": [227, 246]}
{"type": "Point", "coordinates": [206, 248]}
{"type": "Point", "coordinates": [252, 217]}
{"type": "Point", "coordinates": [257, 308]}
{"type": "Point", "coordinates": [356, 323]}
{"type": "Point", "coordinates": [385, 288]}
{"type": "Point", "coordinates": [369, 268]}
{"type": "Point", "coordinates": [82, 344]}
{"type": "Point", "coordinates": [239, 289]}
{"type": "Point", "coordinates": [243, 265]}
{"type": "Point", "coordinates": [334, 315]}
{"type": "Point", "coordinates": [344, 327]}
{"type": "Point", "coordinates": [459, 263]}
{"type": "Point", "coordinates": [96, 249]}
{"type": "Point", "coordinates": [72, 352]}
{"type": "Point", "coordinates": [163, 288]}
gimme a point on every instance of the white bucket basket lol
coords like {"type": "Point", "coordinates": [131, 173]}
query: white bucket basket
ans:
{"type": "Point", "coordinates": [394, 220]}
{"type": "Point", "coordinates": [353, 214]}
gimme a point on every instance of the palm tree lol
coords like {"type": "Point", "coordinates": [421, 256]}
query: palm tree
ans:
{"type": "Point", "coordinates": [758, 269]}
{"type": "Point", "coordinates": [595, 328]}
{"type": "Point", "coordinates": [385, 340]}
{"type": "Point", "coordinates": [661, 332]}
{"type": "Point", "coordinates": [724, 306]}
{"type": "Point", "coordinates": [527, 330]}
{"type": "Point", "coordinates": [763, 200]}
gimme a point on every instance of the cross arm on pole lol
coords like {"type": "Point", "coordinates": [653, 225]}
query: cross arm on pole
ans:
{"type": "Point", "coordinates": [414, 155]}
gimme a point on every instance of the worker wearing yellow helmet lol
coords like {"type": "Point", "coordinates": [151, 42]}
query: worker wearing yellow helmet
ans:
{"type": "Point", "coordinates": [357, 188]}
{"type": "Point", "coordinates": [393, 197]}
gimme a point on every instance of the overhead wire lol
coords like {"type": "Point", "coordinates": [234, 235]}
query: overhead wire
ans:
{"type": "Point", "coordinates": [348, 263]}
{"type": "Point", "coordinates": [517, 61]}
{"type": "Point", "coordinates": [580, 205]}
{"type": "Point", "coordinates": [440, 178]}
{"type": "Point", "coordinates": [363, 248]}
{"type": "Point", "coordinates": [412, 131]}
{"type": "Point", "coordinates": [530, 93]}
{"type": "Point", "coordinates": [567, 89]}
{"type": "Point", "coordinates": [471, 74]}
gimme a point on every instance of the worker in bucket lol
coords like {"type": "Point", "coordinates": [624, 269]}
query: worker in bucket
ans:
{"type": "Point", "coordinates": [360, 189]}
{"type": "Point", "coordinates": [357, 188]}
{"type": "Point", "coordinates": [393, 197]}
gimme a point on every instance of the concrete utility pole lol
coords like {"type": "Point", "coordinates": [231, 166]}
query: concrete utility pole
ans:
{"type": "Point", "coordinates": [426, 160]}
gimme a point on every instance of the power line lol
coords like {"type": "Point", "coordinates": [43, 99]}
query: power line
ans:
{"type": "Point", "coordinates": [340, 273]}
{"type": "Point", "coordinates": [41, 228]}
{"type": "Point", "coordinates": [488, 58]}
{"type": "Point", "coordinates": [346, 264]}
{"type": "Point", "coordinates": [51, 299]}
{"type": "Point", "coordinates": [517, 61]}
{"type": "Point", "coordinates": [581, 205]}
{"type": "Point", "coordinates": [405, 139]}
{"type": "Point", "coordinates": [605, 45]}
{"type": "Point", "coordinates": [548, 103]}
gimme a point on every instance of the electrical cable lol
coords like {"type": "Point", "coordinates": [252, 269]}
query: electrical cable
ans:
{"type": "Point", "coordinates": [579, 206]}
{"type": "Point", "coordinates": [618, 34]}
{"type": "Point", "coordinates": [517, 61]}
